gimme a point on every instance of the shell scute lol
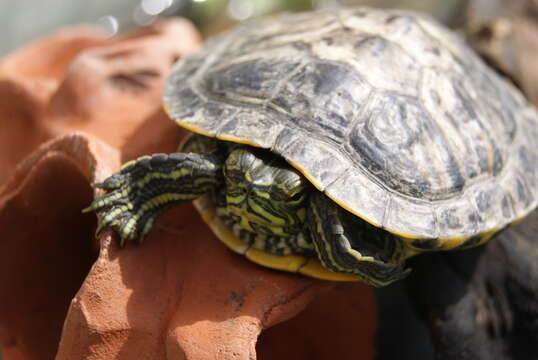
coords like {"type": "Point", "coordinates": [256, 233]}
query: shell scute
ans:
{"type": "Point", "coordinates": [252, 80]}
{"type": "Point", "coordinates": [455, 216]}
{"type": "Point", "coordinates": [395, 140]}
{"type": "Point", "coordinates": [262, 133]}
{"type": "Point", "coordinates": [328, 166]}
{"type": "Point", "coordinates": [385, 65]}
{"type": "Point", "coordinates": [322, 97]}
{"type": "Point", "coordinates": [473, 139]}
{"type": "Point", "coordinates": [354, 190]}
{"type": "Point", "coordinates": [419, 220]}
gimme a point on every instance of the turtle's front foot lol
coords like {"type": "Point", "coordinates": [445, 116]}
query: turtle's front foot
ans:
{"type": "Point", "coordinates": [136, 195]}
{"type": "Point", "coordinates": [124, 206]}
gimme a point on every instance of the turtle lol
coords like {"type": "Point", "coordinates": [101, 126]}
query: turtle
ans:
{"type": "Point", "coordinates": [337, 144]}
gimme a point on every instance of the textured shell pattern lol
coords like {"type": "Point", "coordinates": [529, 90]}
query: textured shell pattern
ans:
{"type": "Point", "coordinates": [387, 112]}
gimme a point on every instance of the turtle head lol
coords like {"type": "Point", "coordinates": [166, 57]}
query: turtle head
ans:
{"type": "Point", "coordinates": [265, 191]}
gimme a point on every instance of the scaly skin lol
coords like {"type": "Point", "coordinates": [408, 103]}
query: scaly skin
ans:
{"type": "Point", "coordinates": [262, 200]}
{"type": "Point", "coordinates": [143, 189]}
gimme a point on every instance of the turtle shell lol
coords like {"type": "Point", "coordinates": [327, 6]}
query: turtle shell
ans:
{"type": "Point", "coordinates": [387, 112]}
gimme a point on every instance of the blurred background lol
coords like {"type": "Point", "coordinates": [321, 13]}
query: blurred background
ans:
{"type": "Point", "coordinates": [23, 21]}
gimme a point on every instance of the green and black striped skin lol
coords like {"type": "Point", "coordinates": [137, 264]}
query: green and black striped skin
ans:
{"type": "Point", "coordinates": [265, 203]}
{"type": "Point", "coordinates": [144, 188]}
{"type": "Point", "coordinates": [358, 136]}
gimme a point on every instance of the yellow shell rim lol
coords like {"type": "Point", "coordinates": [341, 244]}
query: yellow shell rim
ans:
{"type": "Point", "coordinates": [446, 243]}
{"type": "Point", "coordinates": [311, 267]}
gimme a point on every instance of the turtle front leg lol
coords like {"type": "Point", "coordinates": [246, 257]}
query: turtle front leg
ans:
{"type": "Point", "coordinates": [347, 244]}
{"type": "Point", "coordinates": [144, 188]}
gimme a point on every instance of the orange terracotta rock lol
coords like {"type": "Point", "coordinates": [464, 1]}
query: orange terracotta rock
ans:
{"type": "Point", "coordinates": [20, 112]}
{"type": "Point", "coordinates": [77, 79]}
{"type": "Point", "coordinates": [110, 89]}
{"type": "Point", "coordinates": [182, 294]}
{"type": "Point", "coordinates": [198, 301]}
{"type": "Point", "coordinates": [47, 245]}
{"type": "Point", "coordinates": [329, 328]}
{"type": "Point", "coordinates": [28, 79]}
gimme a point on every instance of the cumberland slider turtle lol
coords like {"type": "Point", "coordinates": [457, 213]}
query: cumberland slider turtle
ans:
{"type": "Point", "coordinates": [337, 144]}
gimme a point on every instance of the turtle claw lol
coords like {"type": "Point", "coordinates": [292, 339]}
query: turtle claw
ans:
{"type": "Point", "coordinates": [100, 229]}
{"type": "Point", "coordinates": [116, 207]}
{"type": "Point", "coordinates": [110, 218]}
{"type": "Point", "coordinates": [111, 199]}
{"type": "Point", "coordinates": [135, 196]}
{"type": "Point", "coordinates": [131, 227]}
{"type": "Point", "coordinates": [121, 219]}
{"type": "Point", "coordinates": [122, 241]}
{"type": "Point", "coordinates": [121, 208]}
